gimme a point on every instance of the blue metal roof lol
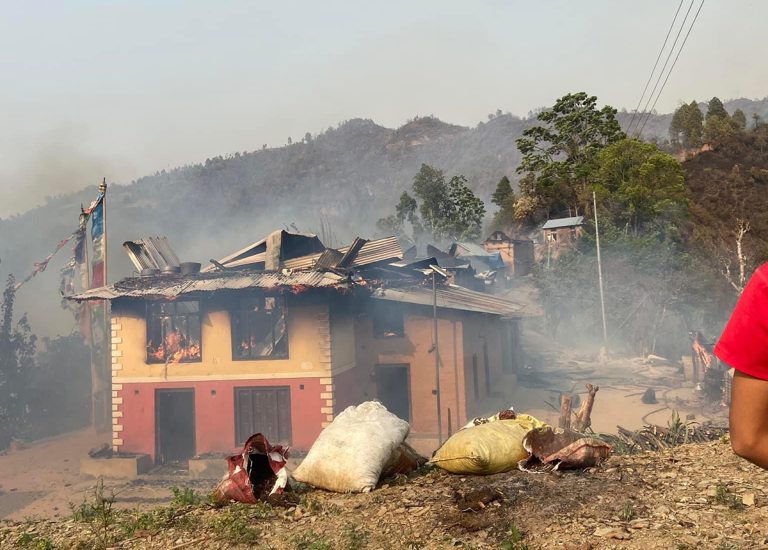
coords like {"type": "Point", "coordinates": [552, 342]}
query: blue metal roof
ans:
{"type": "Point", "coordinates": [564, 222]}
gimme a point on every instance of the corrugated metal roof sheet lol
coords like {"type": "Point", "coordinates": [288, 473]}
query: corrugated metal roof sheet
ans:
{"type": "Point", "coordinates": [151, 252]}
{"type": "Point", "coordinates": [371, 252]}
{"type": "Point", "coordinates": [469, 249]}
{"type": "Point", "coordinates": [172, 286]}
{"type": "Point", "coordinates": [379, 250]}
{"type": "Point", "coordinates": [256, 253]}
{"type": "Point", "coordinates": [456, 297]}
{"type": "Point", "coordinates": [564, 222]}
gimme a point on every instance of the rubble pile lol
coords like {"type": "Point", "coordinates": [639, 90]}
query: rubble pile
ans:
{"type": "Point", "coordinates": [692, 496]}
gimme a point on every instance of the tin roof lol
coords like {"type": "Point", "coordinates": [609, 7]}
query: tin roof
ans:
{"type": "Point", "coordinates": [173, 286]}
{"type": "Point", "coordinates": [564, 222]}
{"type": "Point", "coordinates": [468, 249]}
{"type": "Point", "coordinates": [456, 297]}
{"type": "Point", "coordinates": [151, 252]}
{"type": "Point", "coordinates": [378, 250]}
{"type": "Point", "coordinates": [276, 246]}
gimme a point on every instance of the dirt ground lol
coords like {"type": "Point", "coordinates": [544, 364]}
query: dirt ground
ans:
{"type": "Point", "coordinates": [690, 497]}
{"type": "Point", "coordinates": [552, 369]}
{"type": "Point", "coordinates": [43, 479]}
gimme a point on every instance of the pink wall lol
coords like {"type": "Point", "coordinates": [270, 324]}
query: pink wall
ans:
{"type": "Point", "coordinates": [215, 414]}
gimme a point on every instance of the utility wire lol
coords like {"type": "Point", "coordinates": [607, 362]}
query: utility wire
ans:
{"type": "Point", "coordinates": [653, 71]}
{"type": "Point", "coordinates": [673, 65]}
{"type": "Point", "coordinates": [666, 61]}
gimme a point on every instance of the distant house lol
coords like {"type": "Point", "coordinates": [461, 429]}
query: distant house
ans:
{"type": "Point", "coordinates": [563, 229]}
{"type": "Point", "coordinates": [560, 234]}
{"type": "Point", "coordinates": [284, 334]}
{"type": "Point", "coordinates": [517, 254]}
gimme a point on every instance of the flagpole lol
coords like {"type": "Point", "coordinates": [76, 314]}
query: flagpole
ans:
{"type": "Point", "coordinates": [85, 274]}
{"type": "Point", "coordinates": [106, 400]}
{"type": "Point", "coordinates": [103, 191]}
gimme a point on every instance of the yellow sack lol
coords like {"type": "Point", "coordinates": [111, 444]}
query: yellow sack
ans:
{"type": "Point", "coordinates": [486, 448]}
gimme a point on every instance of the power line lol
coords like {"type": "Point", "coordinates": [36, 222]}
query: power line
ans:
{"type": "Point", "coordinates": [666, 61]}
{"type": "Point", "coordinates": [658, 57]}
{"type": "Point", "coordinates": [673, 63]}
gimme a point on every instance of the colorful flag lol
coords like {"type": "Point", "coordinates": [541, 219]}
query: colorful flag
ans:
{"type": "Point", "coordinates": [40, 266]}
{"type": "Point", "coordinates": [98, 268]}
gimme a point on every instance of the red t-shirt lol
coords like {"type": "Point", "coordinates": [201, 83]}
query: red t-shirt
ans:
{"type": "Point", "coordinates": [744, 342]}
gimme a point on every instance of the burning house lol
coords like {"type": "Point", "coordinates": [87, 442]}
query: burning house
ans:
{"type": "Point", "coordinates": [284, 334]}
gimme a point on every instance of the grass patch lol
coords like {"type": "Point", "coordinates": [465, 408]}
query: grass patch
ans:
{"type": "Point", "coordinates": [98, 512]}
{"type": "Point", "coordinates": [627, 511]}
{"type": "Point", "coordinates": [355, 537]}
{"type": "Point", "coordinates": [153, 521]}
{"type": "Point", "coordinates": [309, 540]}
{"type": "Point", "coordinates": [235, 523]}
{"type": "Point", "coordinates": [678, 430]}
{"type": "Point", "coordinates": [311, 505]}
{"type": "Point", "coordinates": [725, 497]}
{"type": "Point", "coordinates": [184, 496]}
{"type": "Point", "coordinates": [513, 540]}
{"type": "Point", "coordinates": [29, 541]}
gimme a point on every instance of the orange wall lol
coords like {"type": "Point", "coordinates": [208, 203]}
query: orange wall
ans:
{"type": "Point", "coordinates": [307, 326]}
{"type": "Point", "coordinates": [483, 333]}
{"type": "Point", "coordinates": [413, 350]}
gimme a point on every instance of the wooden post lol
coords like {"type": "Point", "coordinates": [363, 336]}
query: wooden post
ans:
{"type": "Point", "coordinates": [437, 361]}
{"type": "Point", "coordinates": [600, 277]}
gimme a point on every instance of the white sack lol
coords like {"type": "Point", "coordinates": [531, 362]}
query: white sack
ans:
{"type": "Point", "coordinates": [351, 452]}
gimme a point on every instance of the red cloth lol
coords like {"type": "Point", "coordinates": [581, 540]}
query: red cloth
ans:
{"type": "Point", "coordinates": [744, 342]}
{"type": "Point", "coordinates": [237, 485]}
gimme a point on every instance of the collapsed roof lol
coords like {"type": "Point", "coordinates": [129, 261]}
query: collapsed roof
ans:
{"type": "Point", "coordinates": [297, 262]}
{"type": "Point", "coordinates": [271, 251]}
{"type": "Point", "coordinates": [168, 287]}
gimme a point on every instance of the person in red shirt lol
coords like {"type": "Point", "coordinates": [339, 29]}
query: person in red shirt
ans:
{"type": "Point", "coordinates": [744, 346]}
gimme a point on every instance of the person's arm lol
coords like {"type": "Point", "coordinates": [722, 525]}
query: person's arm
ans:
{"type": "Point", "coordinates": [749, 418]}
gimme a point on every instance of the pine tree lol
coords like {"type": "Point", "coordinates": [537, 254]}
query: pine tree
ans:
{"type": "Point", "coordinates": [739, 119]}
{"type": "Point", "coordinates": [716, 108]}
{"type": "Point", "coordinates": [502, 193]}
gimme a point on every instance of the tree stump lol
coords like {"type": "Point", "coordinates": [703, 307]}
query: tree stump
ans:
{"type": "Point", "coordinates": [583, 417]}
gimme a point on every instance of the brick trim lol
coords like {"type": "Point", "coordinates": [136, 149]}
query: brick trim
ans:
{"type": "Point", "coordinates": [116, 343]}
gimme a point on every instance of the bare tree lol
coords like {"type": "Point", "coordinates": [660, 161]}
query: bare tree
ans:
{"type": "Point", "coordinates": [739, 281]}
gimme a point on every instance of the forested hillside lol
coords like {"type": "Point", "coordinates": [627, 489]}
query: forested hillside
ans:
{"type": "Point", "coordinates": [349, 176]}
{"type": "Point", "coordinates": [728, 193]}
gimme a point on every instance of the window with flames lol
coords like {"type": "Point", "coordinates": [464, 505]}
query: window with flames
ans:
{"type": "Point", "coordinates": [173, 332]}
{"type": "Point", "coordinates": [259, 329]}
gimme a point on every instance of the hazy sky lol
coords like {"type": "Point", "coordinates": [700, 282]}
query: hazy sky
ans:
{"type": "Point", "coordinates": [123, 89]}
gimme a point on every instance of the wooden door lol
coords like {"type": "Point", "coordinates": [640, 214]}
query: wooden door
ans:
{"type": "Point", "coordinates": [265, 410]}
{"type": "Point", "coordinates": [174, 425]}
